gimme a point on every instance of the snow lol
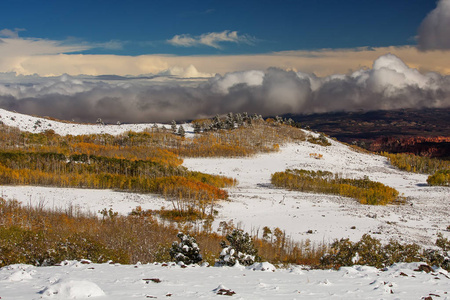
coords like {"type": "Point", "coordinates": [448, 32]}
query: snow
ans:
{"type": "Point", "coordinates": [38, 125]}
{"type": "Point", "coordinates": [73, 280]}
{"type": "Point", "coordinates": [254, 203]}
{"type": "Point", "coordinates": [72, 289]}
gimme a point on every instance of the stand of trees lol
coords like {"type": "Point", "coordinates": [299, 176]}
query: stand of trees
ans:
{"type": "Point", "coordinates": [364, 190]}
{"type": "Point", "coordinates": [439, 169]}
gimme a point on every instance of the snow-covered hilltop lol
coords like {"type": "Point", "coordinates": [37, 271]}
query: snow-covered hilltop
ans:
{"type": "Point", "coordinates": [37, 125]}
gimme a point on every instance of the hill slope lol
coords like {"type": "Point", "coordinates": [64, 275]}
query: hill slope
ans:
{"type": "Point", "coordinates": [255, 203]}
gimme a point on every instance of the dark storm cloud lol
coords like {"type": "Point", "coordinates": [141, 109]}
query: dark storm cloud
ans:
{"type": "Point", "coordinates": [434, 32]}
{"type": "Point", "coordinates": [390, 84]}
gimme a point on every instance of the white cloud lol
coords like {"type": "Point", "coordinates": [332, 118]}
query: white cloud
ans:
{"type": "Point", "coordinates": [389, 84]}
{"type": "Point", "coordinates": [11, 33]}
{"type": "Point", "coordinates": [434, 32]}
{"type": "Point", "coordinates": [188, 72]}
{"type": "Point", "coordinates": [250, 78]}
{"type": "Point", "coordinates": [15, 51]}
{"type": "Point", "coordinates": [212, 39]}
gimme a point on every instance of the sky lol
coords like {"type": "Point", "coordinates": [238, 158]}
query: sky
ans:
{"type": "Point", "coordinates": [151, 50]}
{"type": "Point", "coordinates": [263, 26]}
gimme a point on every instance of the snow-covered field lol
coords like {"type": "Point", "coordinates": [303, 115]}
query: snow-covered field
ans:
{"type": "Point", "coordinates": [76, 280]}
{"type": "Point", "coordinates": [253, 204]}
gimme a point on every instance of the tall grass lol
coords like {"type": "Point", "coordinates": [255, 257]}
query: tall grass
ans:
{"type": "Point", "coordinates": [43, 237]}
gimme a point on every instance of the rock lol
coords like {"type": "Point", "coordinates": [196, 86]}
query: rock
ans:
{"type": "Point", "coordinates": [425, 268]}
{"type": "Point", "coordinates": [156, 280]}
{"type": "Point", "coordinates": [222, 290]}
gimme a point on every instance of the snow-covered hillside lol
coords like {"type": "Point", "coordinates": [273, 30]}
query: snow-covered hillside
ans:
{"type": "Point", "coordinates": [37, 125]}
{"type": "Point", "coordinates": [81, 280]}
{"type": "Point", "coordinates": [254, 203]}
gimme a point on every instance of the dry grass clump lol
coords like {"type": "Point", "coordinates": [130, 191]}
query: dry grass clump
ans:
{"type": "Point", "coordinates": [42, 237]}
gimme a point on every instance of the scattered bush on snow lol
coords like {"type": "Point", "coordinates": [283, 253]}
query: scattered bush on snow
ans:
{"type": "Point", "coordinates": [321, 140]}
{"type": "Point", "coordinates": [441, 177]}
{"type": "Point", "coordinates": [186, 251]}
{"type": "Point", "coordinates": [241, 249]}
{"type": "Point", "coordinates": [369, 251]}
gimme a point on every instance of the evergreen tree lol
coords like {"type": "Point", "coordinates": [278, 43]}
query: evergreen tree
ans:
{"type": "Point", "coordinates": [289, 122]}
{"type": "Point", "coordinates": [186, 251]}
{"type": "Point", "coordinates": [217, 123]}
{"type": "Point", "coordinates": [197, 127]}
{"type": "Point", "coordinates": [240, 249]}
{"type": "Point", "coordinates": [278, 120]}
{"type": "Point", "coordinates": [239, 119]}
{"type": "Point", "coordinates": [246, 117]}
{"type": "Point", "coordinates": [181, 131]}
{"type": "Point", "coordinates": [174, 126]}
{"type": "Point", "coordinates": [229, 124]}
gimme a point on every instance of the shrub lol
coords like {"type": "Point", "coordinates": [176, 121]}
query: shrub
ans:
{"type": "Point", "coordinates": [241, 249]}
{"type": "Point", "coordinates": [441, 177]}
{"type": "Point", "coordinates": [341, 254]}
{"type": "Point", "coordinates": [369, 251]}
{"type": "Point", "coordinates": [19, 245]}
{"type": "Point", "coordinates": [321, 140]}
{"type": "Point", "coordinates": [440, 258]}
{"type": "Point", "coordinates": [186, 251]}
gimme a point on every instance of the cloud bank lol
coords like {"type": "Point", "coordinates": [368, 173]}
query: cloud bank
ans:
{"type": "Point", "coordinates": [212, 39]}
{"type": "Point", "coordinates": [434, 32]}
{"type": "Point", "coordinates": [389, 84]}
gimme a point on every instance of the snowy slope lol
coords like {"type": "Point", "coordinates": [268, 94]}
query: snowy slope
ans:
{"type": "Point", "coordinates": [37, 125]}
{"type": "Point", "coordinates": [75, 280]}
{"type": "Point", "coordinates": [254, 203]}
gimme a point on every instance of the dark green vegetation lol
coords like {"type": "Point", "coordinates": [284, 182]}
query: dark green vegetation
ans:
{"type": "Point", "coordinates": [369, 251]}
{"type": "Point", "coordinates": [240, 248]}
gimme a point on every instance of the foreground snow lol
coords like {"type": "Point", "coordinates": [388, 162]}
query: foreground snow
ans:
{"type": "Point", "coordinates": [77, 280]}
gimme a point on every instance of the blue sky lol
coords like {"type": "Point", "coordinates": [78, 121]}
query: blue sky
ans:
{"type": "Point", "coordinates": [180, 60]}
{"type": "Point", "coordinates": [144, 27]}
